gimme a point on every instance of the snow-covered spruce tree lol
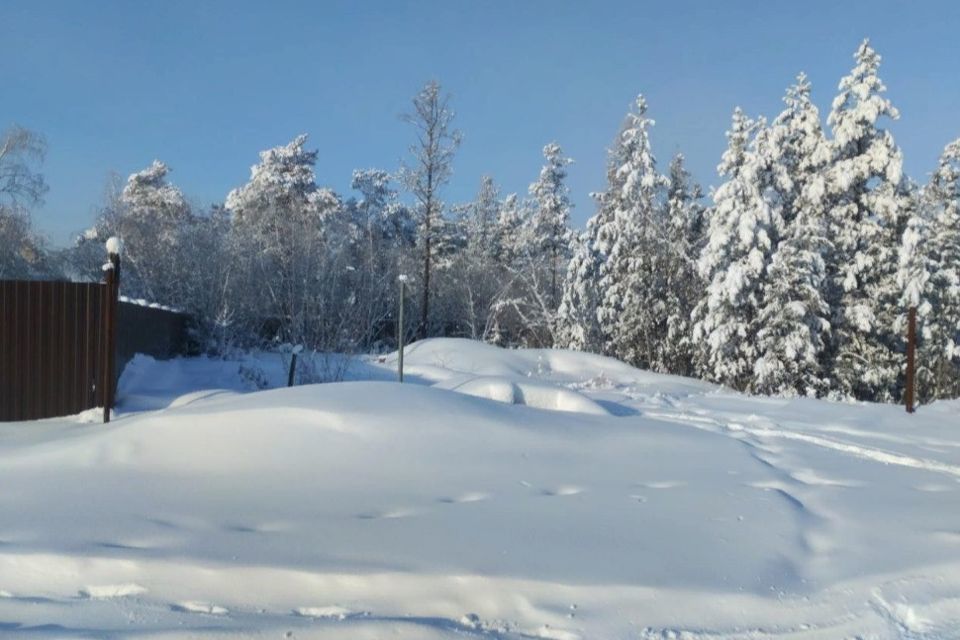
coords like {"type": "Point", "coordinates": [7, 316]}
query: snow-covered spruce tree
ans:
{"type": "Point", "coordinates": [551, 218]}
{"type": "Point", "coordinates": [794, 328]}
{"type": "Point", "coordinates": [511, 226]}
{"type": "Point", "coordinates": [291, 259]}
{"type": "Point", "coordinates": [632, 312]}
{"type": "Point", "coordinates": [481, 219]}
{"type": "Point", "coordinates": [913, 279]}
{"type": "Point", "coordinates": [734, 262]}
{"type": "Point", "coordinates": [930, 276]}
{"type": "Point", "coordinates": [512, 247]}
{"type": "Point", "coordinates": [686, 221]}
{"type": "Point", "coordinates": [154, 217]}
{"type": "Point", "coordinates": [577, 324]}
{"type": "Point", "coordinates": [797, 154]}
{"type": "Point", "coordinates": [794, 320]}
{"type": "Point", "coordinates": [868, 214]}
{"type": "Point", "coordinates": [533, 248]}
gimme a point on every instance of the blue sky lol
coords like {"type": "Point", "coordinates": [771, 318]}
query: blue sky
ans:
{"type": "Point", "coordinates": [204, 86]}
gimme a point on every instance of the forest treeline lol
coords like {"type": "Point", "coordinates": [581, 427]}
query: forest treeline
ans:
{"type": "Point", "coordinates": [792, 277]}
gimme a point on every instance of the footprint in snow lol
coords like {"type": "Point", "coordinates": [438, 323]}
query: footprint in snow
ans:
{"type": "Point", "coordinates": [194, 606]}
{"type": "Point", "coordinates": [553, 633]}
{"type": "Point", "coordinates": [101, 592]}
{"type": "Point", "coordinates": [334, 612]}
{"type": "Point", "coordinates": [663, 484]}
{"type": "Point", "coordinates": [391, 514]}
{"type": "Point", "coordinates": [934, 488]}
{"type": "Point", "coordinates": [267, 527]}
{"type": "Point", "coordinates": [473, 496]}
{"type": "Point", "coordinates": [564, 490]}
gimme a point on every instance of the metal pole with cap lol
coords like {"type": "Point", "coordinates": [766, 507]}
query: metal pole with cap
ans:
{"type": "Point", "coordinates": [109, 338]}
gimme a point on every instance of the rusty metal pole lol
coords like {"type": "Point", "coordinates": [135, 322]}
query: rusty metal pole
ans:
{"type": "Point", "coordinates": [110, 333]}
{"type": "Point", "coordinates": [909, 395]}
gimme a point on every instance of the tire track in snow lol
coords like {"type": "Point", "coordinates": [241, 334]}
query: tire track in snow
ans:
{"type": "Point", "coordinates": [864, 453]}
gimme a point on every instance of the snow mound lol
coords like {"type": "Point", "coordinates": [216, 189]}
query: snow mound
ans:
{"type": "Point", "coordinates": [447, 359]}
{"type": "Point", "coordinates": [539, 395]}
{"type": "Point", "coordinates": [375, 509]}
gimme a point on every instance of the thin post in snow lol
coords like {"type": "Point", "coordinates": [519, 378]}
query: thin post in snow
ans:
{"type": "Point", "coordinates": [909, 394]}
{"type": "Point", "coordinates": [403, 286]}
{"type": "Point", "coordinates": [293, 363]}
{"type": "Point", "coordinates": [293, 368]}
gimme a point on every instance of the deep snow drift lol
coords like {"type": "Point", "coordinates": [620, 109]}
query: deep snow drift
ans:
{"type": "Point", "coordinates": [500, 494]}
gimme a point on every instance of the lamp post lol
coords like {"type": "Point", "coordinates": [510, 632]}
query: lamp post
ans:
{"type": "Point", "coordinates": [112, 268]}
{"type": "Point", "coordinates": [403, 290]}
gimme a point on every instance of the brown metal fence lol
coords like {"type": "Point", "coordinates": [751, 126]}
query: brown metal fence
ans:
{"type": "Point", "coordinates": [53, 348]}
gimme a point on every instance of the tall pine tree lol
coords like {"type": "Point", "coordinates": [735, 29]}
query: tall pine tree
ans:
{"type": "Point", "coordinates": [551, 219]}
{"type": "Point", "coordinates": [930, 262]}
{"type": "Point", "coordinates": [686, 236]}
{"type": "Point", "coordinates": [794, 320]}
{"type": "Point", "coordinates": [734, 262]}
{"type": "Point", "coordinates": [868, 214]}
{"type": "Point", "coordinates": [632, 310]}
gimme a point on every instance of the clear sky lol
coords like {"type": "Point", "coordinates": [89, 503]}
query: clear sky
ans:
{"type": "Point", "coordinates": [204, 86]}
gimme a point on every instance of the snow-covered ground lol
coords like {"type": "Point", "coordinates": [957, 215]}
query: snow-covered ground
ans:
{"type": "Point", "coordinates": [499, 494]}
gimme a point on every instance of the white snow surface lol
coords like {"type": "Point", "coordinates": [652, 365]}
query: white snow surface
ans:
{"type": "Point", "coordinates": [498, 494]}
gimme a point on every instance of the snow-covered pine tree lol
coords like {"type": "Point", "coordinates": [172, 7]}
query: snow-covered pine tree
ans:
{"type": "Point", "coordinates": [913, 280]}
{"type": "Point", "coordinates": [551, 218]}
{"type": "Point", "coordinates": [509, 248]}
{"type": "Point", "coordinates": [577, 324]}
{"type": "Point", "coordinates": [154, 217]}
{"type": "Point", "coordinates": [931, 261]}
{"type": "Point", "coordinates": [632, 312]}
{"type": "Point", "coordinates": [290, 275]}
{"type": "Point", "coordinates": [429, 169]}
{"type": "Point", "coordinates": [533, 243]}
{"type": "Point", "coordinates": [797, 153]}
{"type": "Point", "coordinates": [794, 320]}
{"type": "Point", "coordinates": [869, 207]}
{"type": "Point", "coordinates": [686, 234]}
{"type": "Point", "coordinates": [511, 225]}
{"type": "Point", "coordinates": [481, 220]}
{"type": "Point", "coordinates": [794, 325]}
{"type": "Point", "coordinates": [734, 262]}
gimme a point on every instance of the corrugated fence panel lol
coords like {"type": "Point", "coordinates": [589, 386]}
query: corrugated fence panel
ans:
{"type": "Point", "coordinates": [50, 348]}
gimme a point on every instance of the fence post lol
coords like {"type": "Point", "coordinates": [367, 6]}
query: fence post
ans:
{"type": "Point", "coordinates": [909, 394]}
{"type": "Point", "coordinates": [114, 246]}
{"type": "Point", "coordinates": [293, 363]}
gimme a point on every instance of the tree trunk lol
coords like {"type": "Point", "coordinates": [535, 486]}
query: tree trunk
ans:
{"type": "Point", "coordinates": [425, 307]}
